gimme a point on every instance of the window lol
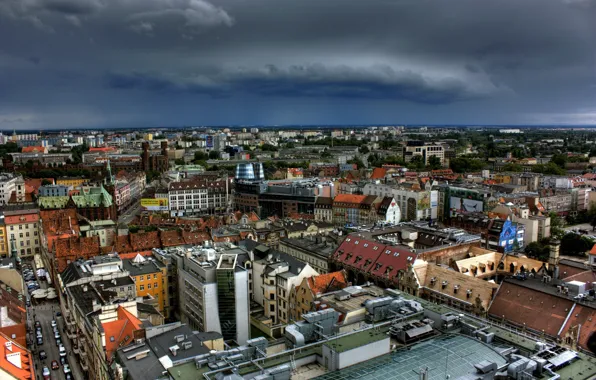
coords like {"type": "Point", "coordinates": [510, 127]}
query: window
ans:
{"type": "Point", "coordinates": [141, 278]}
{"type": "Point", "coordinates": [375, 248]}
{"type": "Point", "coordinates": [272, 308]}
{"type": "Point", "coordinates": [142, 287]}
{"type": "Point", "coordinates": [155, 276]}
{"type": "Point", "coordinates": [112, 339]}
{"type": "Point", "coordinates": [148, 286]}
{"type": "Point", "coordinates": [272, 296]}
{"type": "Point", "coordinates": [155, 285]}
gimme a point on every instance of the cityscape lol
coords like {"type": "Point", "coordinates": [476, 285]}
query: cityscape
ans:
{"type": "Point", "coordinates": [299, 253]}
{"type": "Point", "coordinates": [296, 190]}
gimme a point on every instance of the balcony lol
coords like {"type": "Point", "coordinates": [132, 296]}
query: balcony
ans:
{"type": "Point", "coordinates": [75, 349]}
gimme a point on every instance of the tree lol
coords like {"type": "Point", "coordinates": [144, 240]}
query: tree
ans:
{"type": "Point", "coordinates": [434, 162]}
{"type": "Point", "coordinates": [465, 164]}
{"type": "Point", "coordinates": [201, 156]}
{"type": "Point", "coordinates": [556, 225]}
{"type": "Point", "coordinates": [364, 149]}
{"type": "Point", "coordinates": [575, 244]}
{"type": "Point", "coordinates": [268, 148]}
{"type": "Point", "coordinates": [358, 162]}
{"type": "Point", "coordinates": [559, 159]}
{"type": "Point", "coordinates": [416, 163]}
{"type": "Point", "coordinates": [513, 168]}
{"type": "Point", "coordinates": [214, 155]}
{"type": "Point", "coordinates": [326, 154]}
{"type": "Point", "coordinates": [179, 161]}
{"type": "Point", "coordinates": [537, 250]}
{"type": "Point", "coordinates": [45, 182]}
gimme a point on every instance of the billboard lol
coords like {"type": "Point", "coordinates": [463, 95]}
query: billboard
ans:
{"type": "Point", "coordinates": [155, 204]}
{"type": "Point", "coordinates": [434, 199]}
{"type": "Point", "coordinates": [209, 141]}
{"type": "Point", "coordinates": [464, 205]}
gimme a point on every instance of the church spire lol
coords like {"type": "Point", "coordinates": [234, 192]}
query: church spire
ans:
{"type": "Point", "coordinates": [110, 178]}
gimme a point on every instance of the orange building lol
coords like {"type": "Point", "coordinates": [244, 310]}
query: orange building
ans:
{"type": "Point", "coordinates": [150, 277]}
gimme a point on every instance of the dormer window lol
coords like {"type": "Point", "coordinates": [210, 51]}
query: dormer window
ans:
{"type": "Point", "coordinates": [469, 293]}
{"type": "Point", "coordinates": [444, 284]}
{"type": "Point", "coordinates": [378, 266]}
{"type": "Point", "coordinates": [433, 280]}
{"type": "Point", "coordinates": [455, 289]}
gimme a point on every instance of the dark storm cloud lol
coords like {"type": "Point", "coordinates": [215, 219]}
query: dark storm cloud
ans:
{"type": "Point", "coordinates": [311, 81]}
{"type": "Point", "coordinates": [501, 59]}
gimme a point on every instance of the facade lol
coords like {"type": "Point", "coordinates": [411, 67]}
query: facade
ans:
{"type": "Point", "coordinates": [461, 199]}
{"type": "Point", "coordinates": [426, 151]}
{"type": "Point", "coordinates": [94, 203]}
{"type": "Point", "coordinates": [206, 284]}
{"type": "Point", "coordinates": [250, 172]}
{"type": "Point", "coordinates": [324, 209]}
{"type": "Point", "coordinates": [198, 196]}
{"type": "Point", "coordinates": [150, 278]}
{"type": "Point", "coordinates": [389, 211]}
{"type": "Point", "coordinates": [54, 190]}
{"type": "Point", "coordinates": [44, 159]}
{"type": "Point", "coordinates": [7, 186]}
{"type": "Point", "coordinates": [350, 209]}
{"type": "Point", "coordinates": [22, 228]}
{"type": "Point", "coordinates": [68, 181]}
{"type": "Point", "coordinates": [4, 245]}
{"type": "Point", "coordinates": [314, 250]}
{"type": "Point", "coordinates": [273, 279]}
{"type": "Point", "coordinates": [414, 202]}
{"type": "Point", "coordinates": [153, 160]}
{"type": "Point", "coordinates": [304, 295]}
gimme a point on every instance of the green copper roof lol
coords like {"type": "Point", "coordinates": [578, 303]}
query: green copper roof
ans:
{"type": "Point", "coordinates": [52, 202]}
{"type": "Point", "coordinates": [95, 197]}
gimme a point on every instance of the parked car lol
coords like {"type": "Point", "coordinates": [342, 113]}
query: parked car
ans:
{"type": "Point", "coordinates": [40, 341]}
{"type": "Point", "coordinates": [37, 324]}
{"type": "Point", "coordinates": [68, 376]}
{"type": "Point", "coordinates": [56, 335]}
{"type": "Point", "coordinates": [54, 324]}
{"type": "Point", "coordinates": [46, 373]}
{"type": "Point", "coordinates": [62, 350]}
{"type": "Point", "coordinates": [42, 355]}
{"type": "Point", "coordinates": [58, 314]}
{"type": "Point", "coordinates": [55, 365]}
{"type": "Point", "coordinates": [63, 360]}
{"type": "Point", "coordinates": [58, 342]}
{"type": "Point", "coordinates": [66, 369]}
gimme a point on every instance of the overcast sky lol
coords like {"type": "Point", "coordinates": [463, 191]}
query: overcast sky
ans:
{"type": "Point", "coordinates": [93, 63]}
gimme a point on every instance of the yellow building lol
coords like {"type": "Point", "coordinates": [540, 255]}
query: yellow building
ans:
{"type": "Point", "coordinates": [150, 278]}
{"type": "Point", "coordinates": [3, 240]}
{"type": "Point", "coordinates": [149, 136]}
{"type": "Point", "coordinates": [74, 182]}
{"type": "Point", "coordinates": [502, 178]}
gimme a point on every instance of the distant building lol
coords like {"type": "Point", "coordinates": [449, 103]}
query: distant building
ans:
{"type": "Point", "coordinates": [424, 150]}
{"type": "Point", "coordinates": [354, 209]}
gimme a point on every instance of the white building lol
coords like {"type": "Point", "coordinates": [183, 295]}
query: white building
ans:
{"type": "Point", "coordinates": [273, 279]}
{"type": "Point", "coordinates": [198, 196]}
{"type": "Point", "coordinates": [414, 203]}
{"type": "Point", "coordinates": [7, 186]}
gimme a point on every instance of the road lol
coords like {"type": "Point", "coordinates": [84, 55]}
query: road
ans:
{"type": "Point", "coordinates": [130, 214]}
{"type": "Point", "coordinates": [44, 311]}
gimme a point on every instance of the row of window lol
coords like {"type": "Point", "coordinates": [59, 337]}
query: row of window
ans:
{"type": "Point", "coordinates": [142, 287]}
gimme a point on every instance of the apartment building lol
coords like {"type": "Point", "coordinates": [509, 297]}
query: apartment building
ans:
{"type": "Point", "coordinates": [354, 209]}
{"type": "Point", "coordinates": [7, 186]}
{"type": "Point", "coordinates": [150, 277]}
{"type": "Point", "coordinates": [213, 291]}
{"type": "Point", "coordinates": [414, 202]}
{"type": "Point", "coordinates": [198, 196]}
{"type": "Point", "coordinates": [22, 228]}
{"type": "Point", "coordinates": [273, 279]}
{"type": "Point", "coordinates": [424, 150]}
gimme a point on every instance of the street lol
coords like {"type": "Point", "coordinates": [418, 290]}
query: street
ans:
{"type": "Point", "coordinates": [44, 311]}
{"type": "Point", "coordinates": [130, 214]}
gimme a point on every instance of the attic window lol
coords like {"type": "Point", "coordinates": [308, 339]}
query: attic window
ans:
{"type": "Point", "coordinates": [348, 239]}
{"type": "Point", "coordinates": [375, 248]}
{"type": "Point", "coordinates": [378, 266]}
{"type": "Point", "coordinates": [469, 293]}
{"type": "Point", "coordinates": [112, 339]}
{"type": "Point", "coordinates": [444, 284]}
{"type": "Point", "coordinates": [356, 242]}
{"type": "Point", "coordinates": [365, 245]}
{"type": "Point", "coordinates": [388, 251]}
{"type": "Point", "coordinates": [396, 254]}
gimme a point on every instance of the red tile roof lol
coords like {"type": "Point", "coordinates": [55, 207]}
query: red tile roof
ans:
{"type": "Point", "coordinates": [378, 173]}
{"type": "Point", "coordinates": [363, 254]}
{"type": "Point", "coordinates": [584, 319]}
{"type": "Point", "coordinates": [102, 149]}
{"type": "Point", "coordinates": [195, 237]}
{"type": "Point", "coordinates": [26, 216]}
{"type": "Point", "coordinates": [120, 331]}
{"type": "Point", "coordinates": [33, 149]}
{"type": "Point", "coordinates": [19, 366]}
{"type": "Point", "coordinates": [522, 305]}
{"type": "Point", "coordinates": [171, 238]}
{"type": "Point", "coordinates": [132, 255]}
{"type": "Point", "coordinates": [593, 250]}
{"type": "Point", "coordinates": [327, 282]}
{"type": "Point", "coordinates": [588, 276]}
{"type": "Point", "coordinates": [19, 331]}
{"type": "Point", "coordinates": [349, 198]}
{"type": "Point", "coordinates": [32, 185]}
{"type": "Point", "coordinates": [73, 248]}
{"type": "Point", "coordinates": [144, 241]}
{"type": "Point", "coordinates": [59, 224]}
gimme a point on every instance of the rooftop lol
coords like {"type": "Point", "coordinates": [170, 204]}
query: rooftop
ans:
{"type": "Point", "coordinates": [448, 355]}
